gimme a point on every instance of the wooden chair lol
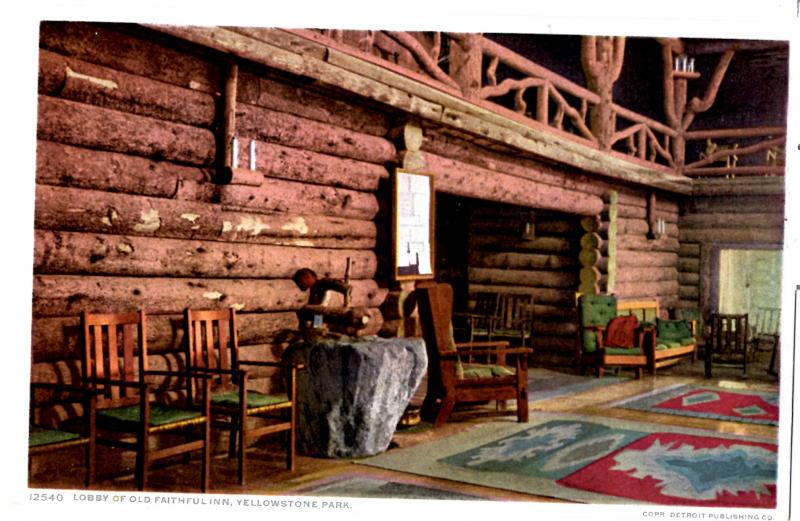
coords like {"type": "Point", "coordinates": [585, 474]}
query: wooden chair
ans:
{"type": "Point", "coordinates": [595, 312]}
{"type": "Point", "coordinates": [451, 381]}
{"type": "Point", "coordinates": [477, 324]}
{"type": "Point", "coordinates": [766, 329]}
{"type": "Point", "coordinates": [45, 439]}
{"type": "Point", "coordinates": [513, 319]}
{"type": "Point", "coordinates": [728, 344]}
{"type": "Point", "coordinates": [130, 405]}
{"type": "Point", "coordinates": [213, 347]}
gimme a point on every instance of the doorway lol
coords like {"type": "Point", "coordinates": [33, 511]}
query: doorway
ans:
{"type": "Point", "coordinates": [748, 280]}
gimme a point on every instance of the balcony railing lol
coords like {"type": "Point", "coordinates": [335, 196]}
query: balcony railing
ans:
{"type": "Point", "coordinates": [494, 77]}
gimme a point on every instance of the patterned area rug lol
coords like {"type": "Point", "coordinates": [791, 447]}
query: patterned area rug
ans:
{"type": "Point", "coordinates": [601, 460]}
{"type": "Point", "coordinates": [709, 402]}
{"type": "Point", "coordinates": [544, 383]}
{"type": "Point", "coordinates": [366, 486]}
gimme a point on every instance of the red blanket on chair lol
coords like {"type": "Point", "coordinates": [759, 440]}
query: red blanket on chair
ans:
{"type": "Point", "coordinates": [621, 331]}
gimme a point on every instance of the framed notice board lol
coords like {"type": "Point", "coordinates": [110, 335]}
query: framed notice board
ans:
{"type": "Point", "coordinates": [413, 221]}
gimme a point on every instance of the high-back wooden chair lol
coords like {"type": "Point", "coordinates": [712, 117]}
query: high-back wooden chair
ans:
{"type": "Point", "coordinates": [213, 347]}
{"type": "Point", "coordinates": [765, 330]}
{"type": "Point", "coordinates": [728, 342]}
{"type": "Point", "coordinates": [450, 380]}
{"type": "Point", "coordinates": [132, 399]}
{"type": "Point", "coordinates": [44, 439]}
{"type": "Point", "coordinates": [476, 324]}
{"type": "Point", "coordinates": [513, 319]}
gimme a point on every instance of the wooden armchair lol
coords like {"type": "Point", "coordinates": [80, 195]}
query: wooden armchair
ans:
{"type": "Point", "coordinates": [130, 405]}
{"type": "Point", "coordinates": [477, 324]}
{"type": "Point", "coordinates": [513, 319]}
{"type": "Point", "coordinates": [593, 346]}
{"type": "Point", "coordinates": [728, 342]}
{"type": "Point", "coordinates": [43, 439]}
{"type": "Point", "coordinates": [451, 381]}
{"type": "Point", "coordinates": [213, 347]}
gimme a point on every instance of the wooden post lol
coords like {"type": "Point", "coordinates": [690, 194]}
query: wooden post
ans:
{"type": "Point", "coordinates": [611, 270]}
{"type": "Point", "coordinates": [466, 63]}
{"type": "Point", "coordinates": [680, 112]}
{"type": "Point", "coordinates": [228, 124]}
{"type": "Point", "coordinates": [602, 59]}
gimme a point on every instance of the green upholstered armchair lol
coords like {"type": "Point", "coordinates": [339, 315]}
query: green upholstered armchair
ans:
{"type": "Point", "coordinates": [452, 377]}
{"type": "Point", "coordinates": [592, 348]}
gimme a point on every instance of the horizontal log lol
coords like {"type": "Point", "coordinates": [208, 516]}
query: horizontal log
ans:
{"type": "Point", "coordinates": [103, 45]}
{"type": "Point", "coordinates": [294, 164]}
{"type": "Point", "coordinates": [689, 264]}
{"type": "Point", "coordinates": [539, 244]}
{"type": "Point", "coordinates": [79, 124]}
{"type": "Point", "coordinates": [641, 243]}
{"type": "Point", "coordinates": [687, 303]}
{"type": "Point", "coordinates": [62, 295]}
{"type": "Point", "coordinates": [688, 279]}
{"type": "Point", "coordinates": [85, 82]}
{"type": "Point", "coordinates": [732, 220]}
{"type": "Point", "coordinates": [55, 338]}
{"type": "Point", "coordinates": [279, 195]}
{"type": "Point", "coordinates": [630, 290]}
{"type": "Point", "coordinates": [627, 258]}
{"type": "Point", "coordinates": [739, 186]}
{"type": "Point", "coordinates": [541, 296]}
{"type": "Point", "coordinates": [514, 260]}
{"type": "Point", "coordinates": [688, 292]}
{"type": "Point", "coordinates": [73, 209]}
{"type": "Point", "coordinates": [638, 212]}
{"type": "Point", "coordinates": [755, 171]}
{"type": "Point", "coordinates": [742, 203]}
{"type": "Point", "coordinates": [279, 96]}
{"type": "Point", "coordinates": [77, 167]}
{"type": "Point", "coordinates": [689, 249]}
{"type": "Point", "coordinates": [459, 178]}
{"type": "Point", "coordinates": [102, 254]}
{"type": "Point", "coordinates": [734, 235]}
{"type": "Point", "coordinates": [285, 129]}
{"type": "Point", "coordinates": [548, 279]}
{"type": "Point", "coordinates": [555, 329]}
{"type": "Point", "coordinates": [647, 274]}
{"type": "Point", "coordinates": [553, 343]}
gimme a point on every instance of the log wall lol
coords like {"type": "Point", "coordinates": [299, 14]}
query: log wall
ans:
{"type": "Point", "coordinates": [502, 260]}
{"type": "Point", "coordinates": [127, 215]}
{"type": "Point", "coordinates": [730, 213]}
{"type": "Point", "coordinates": [548, 264]}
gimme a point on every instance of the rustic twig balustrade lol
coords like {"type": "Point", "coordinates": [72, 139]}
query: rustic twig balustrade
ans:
{"type": "Point", "coordinates": [489, 75]}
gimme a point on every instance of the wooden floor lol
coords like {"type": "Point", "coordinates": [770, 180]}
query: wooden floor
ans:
{"type": "Point", "coordinates": [267, 475]}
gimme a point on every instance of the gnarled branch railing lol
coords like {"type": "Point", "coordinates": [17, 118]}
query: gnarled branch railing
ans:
{"type": "Point", "coordinates": [738, 152]}
{"type": "Point", "coordinates": [473, 63]}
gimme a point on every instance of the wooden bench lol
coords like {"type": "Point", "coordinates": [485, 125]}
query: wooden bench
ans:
{"type": "Point", "coordinates": [659, 354]}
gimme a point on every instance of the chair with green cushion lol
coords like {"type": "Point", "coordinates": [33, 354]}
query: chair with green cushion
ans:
{"type": "Point", "coordinates": [213, 347]}
{"type": "Point", "coordinates": [451, 380]}
{"type": "Point", "coordinates": [476, 324]}
{"type": "Point", "coordinates": [43, 439]}
{"type": "Point", "coordinates": [513, 320]}
{"type": "Point", "coordinates": [595, 312]}
{"type": "Point", "coordinates": [135, 402]}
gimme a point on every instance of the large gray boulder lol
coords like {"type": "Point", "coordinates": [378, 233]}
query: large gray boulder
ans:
{"type": "Point", "coordinates": [354, 391]}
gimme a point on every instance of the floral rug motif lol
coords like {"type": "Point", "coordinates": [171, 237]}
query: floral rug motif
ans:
{"type": "Point", "coordinates": [601, 460]}
{"type": "Point", "coordinates": [709, 402]}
